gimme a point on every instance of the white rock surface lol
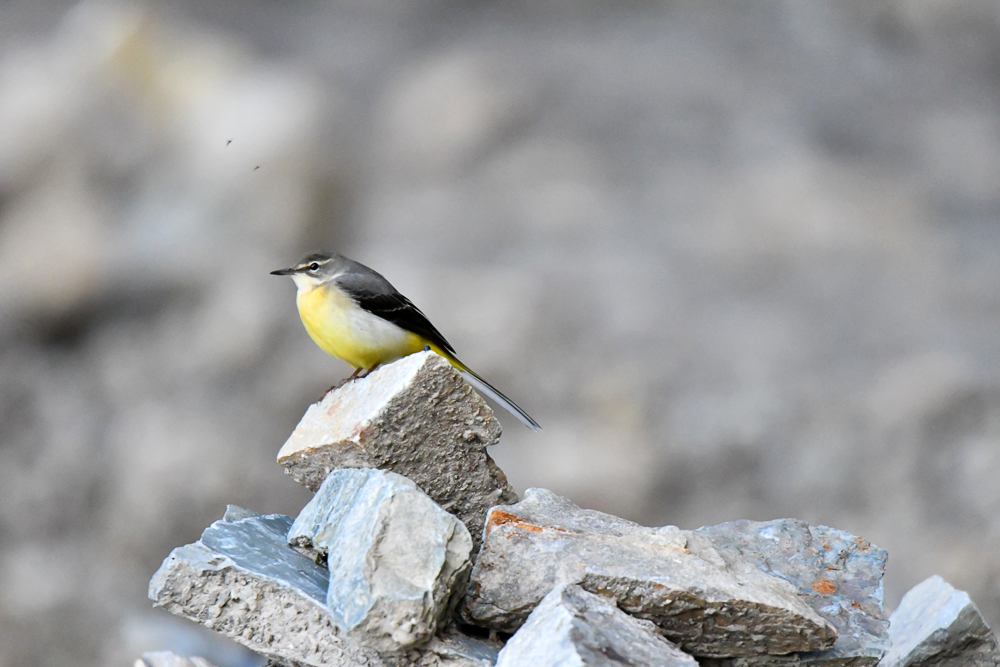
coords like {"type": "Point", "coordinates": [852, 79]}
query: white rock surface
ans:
{"type": "Point", "coordinates": [573, 627]}
{"type": "Point", "coordinates": [394, 556]}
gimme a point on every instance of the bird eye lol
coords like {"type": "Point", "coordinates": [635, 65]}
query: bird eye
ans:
{"type": "Point", "coordinates": [314, 266]}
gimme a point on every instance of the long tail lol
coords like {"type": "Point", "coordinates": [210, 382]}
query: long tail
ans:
{"type": "Point", "coordinates": [484, 387]}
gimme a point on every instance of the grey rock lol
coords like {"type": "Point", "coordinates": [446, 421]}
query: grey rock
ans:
{"type": "Point", "coordinates": [573, 627]}
{"type": "Point", "coordinates": [235, 513]}
{"type": "Point", "coordinates": [416, 417]}
{"type": "Point", "coordinates": [837, 574]}
{"type": "Point", "coordinates": [936, 625]}
{"type": "Point", "coordinates": [452, 648]}
{"type": "Point", "coordinates": [244, 581]}
{"type": "Point", "coordinates": [170, 659]}
{"type": "Point", "coordinates": [395, 557]}
{"type": "Point", "coordinates": [670, 576]}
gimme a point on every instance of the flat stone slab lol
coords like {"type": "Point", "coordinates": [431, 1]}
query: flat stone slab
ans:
{"type": "Point", "coordinates": [573, 627]}
{"type": "Point", "coordinates": [838, 574]}
{"type": "Point", "coordinates": [394, 556]}
{"type": "Point", "coordinates": [936, 625]}
{"type": "Point", "coordinates": [672, 577]}
{"type": "Point", "coordinates": [243, 580]}
{"type": "Point", "coordinates": [416, 417]}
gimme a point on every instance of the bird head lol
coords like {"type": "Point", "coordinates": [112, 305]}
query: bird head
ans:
{"type": "Point", "coordinates": [312, 270]}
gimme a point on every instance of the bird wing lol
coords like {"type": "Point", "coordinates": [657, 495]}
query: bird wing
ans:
{"type": "Point", "coordinates": [375, 294]}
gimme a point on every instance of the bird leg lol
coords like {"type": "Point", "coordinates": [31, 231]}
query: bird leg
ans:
{"type": "Point", "coordinates": [369, 371]}
{"type": "Point", "coordinates": [352, 376]}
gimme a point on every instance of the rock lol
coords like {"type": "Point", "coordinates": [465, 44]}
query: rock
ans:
{"type": "Point", "coordinates": [837, 574]}
{"type": "Point", "coordinates": [415, 417]}
{"type": "Point", "coordinates": [244, 581]}
{"type": "Point", "coordinates": [937, 625]}
{"type": "Point", "coordinates": [235, 513]}
{"type": "Point", "coordinates": [395, 557]}
{"type": "Point", "coordinates": [170, 659]}
{"type": "Point", "coordinates": [670, 576]}
{"type": "Point", "coordinates": [452, 648]}
{"type": "Point", "coordinates": [573, 627]}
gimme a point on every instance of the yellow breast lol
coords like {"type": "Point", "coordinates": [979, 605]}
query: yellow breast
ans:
{"type": "Point", "coordinates": [342, 328]}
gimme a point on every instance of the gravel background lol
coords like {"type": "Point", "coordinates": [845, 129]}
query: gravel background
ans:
{"type": "Point", "coordinates": [741, 260]}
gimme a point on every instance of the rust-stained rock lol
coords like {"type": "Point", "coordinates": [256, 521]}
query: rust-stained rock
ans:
{"type": "Point", "coordinates": [672, 577]}
{"type": "Point", "coordinates": [416, 417]}
{"type": "Point", "coordinates": [838, 574]}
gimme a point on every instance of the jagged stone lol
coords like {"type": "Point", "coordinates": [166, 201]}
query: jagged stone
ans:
{"type": "Point", "coordinates": [938, 626]}
{"type": "Point", "coordinates": [395, 557]}
{"type": "Point", "coordinates": [672, 577]}
{"type": "Point", "coordinates": [573, 627]}
{"type": "Point", "coordinates": [244, 581]}
{"type": "Point", "coordinates": [170, 659]}
{"type": "Point", "coordinates": [416, 417]}
{"type": "Point", "coordinates": [837, 574]}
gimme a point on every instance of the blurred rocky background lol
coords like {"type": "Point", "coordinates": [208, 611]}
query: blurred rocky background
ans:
{"type": "Point", "coordinates": [741, 260]}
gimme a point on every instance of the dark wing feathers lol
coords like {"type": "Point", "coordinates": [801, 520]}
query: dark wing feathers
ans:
{"type": "Point", "coordinates": [376, 295]}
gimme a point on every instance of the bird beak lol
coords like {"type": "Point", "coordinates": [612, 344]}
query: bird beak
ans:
{"type": "Point", "coordinates": [283, 272]}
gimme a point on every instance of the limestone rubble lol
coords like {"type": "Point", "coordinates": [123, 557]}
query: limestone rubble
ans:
{"type": "Point", "coordinates": [371, 570]}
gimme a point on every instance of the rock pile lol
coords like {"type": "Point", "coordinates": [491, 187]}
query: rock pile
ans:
{"type": "Point", "coordinates": [416, 551]}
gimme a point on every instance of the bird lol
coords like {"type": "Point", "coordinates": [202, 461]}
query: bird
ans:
{"type": "Point", "coordinates": [353, 313]}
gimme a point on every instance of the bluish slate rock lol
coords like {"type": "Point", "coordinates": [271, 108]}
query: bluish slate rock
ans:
{"type": "Point", "coordinates": [836, 573]}
{"type": "Point", "coordinates": [573, 627]}
{"type": "Point", "coordinates": [244, 581]}
{"type": "Point", "coordinates": [936, 625]}
{"type": "Point", "coordinates": [395, 557]}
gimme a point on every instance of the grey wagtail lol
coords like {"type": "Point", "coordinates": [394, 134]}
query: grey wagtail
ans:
{"type": "Point", "coordinates": [355, 314]}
